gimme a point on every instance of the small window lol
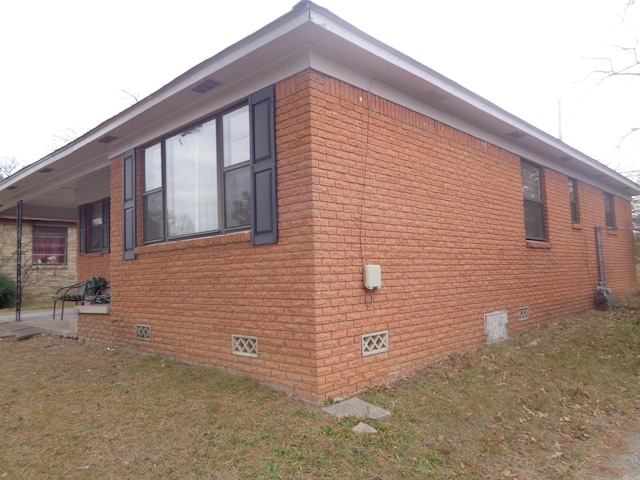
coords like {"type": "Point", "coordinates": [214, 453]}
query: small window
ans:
{"type": "Point", "coordinates": [49, 245]}
{"type": "Point", "coordinates": [573, 200]}
{"type": "Point", "coordinates": [94, 227]}
{"type": "Point", "coordinates": [609, 215]}
{"type": "Point", "coordinates": [533, 202]}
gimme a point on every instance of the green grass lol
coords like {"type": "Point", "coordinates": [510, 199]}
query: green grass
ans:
{"type": "Point", "coordinates": [544, 404]}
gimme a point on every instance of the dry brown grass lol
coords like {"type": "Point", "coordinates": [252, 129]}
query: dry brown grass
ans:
{"type": "Point", "coordinates": [542, 405]}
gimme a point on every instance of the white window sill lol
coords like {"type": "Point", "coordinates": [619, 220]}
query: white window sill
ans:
{"type": "Point", "coordinates": [93, 309]}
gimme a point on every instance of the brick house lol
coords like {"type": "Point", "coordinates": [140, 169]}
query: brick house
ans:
{"type": "Point", "coordinates": [236, 210]}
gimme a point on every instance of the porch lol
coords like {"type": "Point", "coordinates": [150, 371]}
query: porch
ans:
{"type": "Point", "coordinates": [39, 321]}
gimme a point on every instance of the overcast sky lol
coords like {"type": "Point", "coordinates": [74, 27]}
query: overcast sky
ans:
{"type": "Point", "coordinates": [68, 65]}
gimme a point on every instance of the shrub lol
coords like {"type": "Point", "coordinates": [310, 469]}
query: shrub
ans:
{"type": "Point", "coordinates": [7, 291]}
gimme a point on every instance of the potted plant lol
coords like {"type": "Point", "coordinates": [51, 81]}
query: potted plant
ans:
{"type": "Point", "coordinates": [92, 288]}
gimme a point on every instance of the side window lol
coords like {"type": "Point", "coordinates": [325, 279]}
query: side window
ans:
{"type": "Point", "coordinates": [49, 245]}
{"type": "Point", "coordinates": [573, 200]}
{"type": "Point", "coordinates": [94, 227]}
{"type": "Point", "coordinates": [609, 214]}
{"type": "Point", "coordinates": [197, 181]}
{"type": "Point", "coordinates": [533, 201]}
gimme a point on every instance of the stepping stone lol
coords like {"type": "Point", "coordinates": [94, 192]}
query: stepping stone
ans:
{"type": "Point", "coordinates": [354, 407]}
{"type": "Point", "coordinates": [27, 333]}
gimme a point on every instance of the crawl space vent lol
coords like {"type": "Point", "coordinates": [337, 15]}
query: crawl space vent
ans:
{"type": "Point", "coordinates": [244, 346]}
{"type": "Point", "coordinates": [523, 314]}
{"type": "Point", "coordinates": [375, 343]}
{"type": "Point", "coordinates": [495, 325]}
{"type": "Point", "coordinates": [143, 332]}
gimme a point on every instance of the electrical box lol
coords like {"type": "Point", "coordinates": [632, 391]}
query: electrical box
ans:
{"type": "Point", "coordinates": [372, 277]}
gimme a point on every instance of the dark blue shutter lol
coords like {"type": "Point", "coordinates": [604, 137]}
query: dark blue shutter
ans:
{"type": "Point", "coordinates": [106, 214]}
{"type": "Point", "coordinates": [129, 204]}
{"type": "Point", "coordinates": [264, 197]}
{"type": "Point", "coordinates": [82, 230]}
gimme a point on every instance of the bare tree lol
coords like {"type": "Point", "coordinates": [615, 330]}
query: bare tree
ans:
{"type": "Point", "coordinates": [131, 98]}
{"type": "Point", "coordinates": [8, 165]}
{"type": "Point", "coordinates": [625, 64]}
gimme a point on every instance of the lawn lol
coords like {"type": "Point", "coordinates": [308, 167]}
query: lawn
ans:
{"type": "Point", "coordinates": [554, 402]}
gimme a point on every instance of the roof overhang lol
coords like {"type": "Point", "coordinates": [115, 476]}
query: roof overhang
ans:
{"type": "Point", "coordinates": [308, 36]}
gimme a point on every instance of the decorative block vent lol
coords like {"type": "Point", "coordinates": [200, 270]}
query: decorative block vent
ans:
{"type": "Point", "coordinates": [495, 325]}
{"type": "Point", "coordinates": [523, 314]}
{"type": "Point", "coordinates": [143, 332]}
{"type": "Point", "coordinates": [244, 346]}
{"type": "Point", "coordinates": [375, 343]}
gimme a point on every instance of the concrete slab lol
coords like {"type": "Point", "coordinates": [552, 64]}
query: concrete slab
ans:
{"type": "Point", "coordinates": [27, 333]}
{"type": "Point", "coordinates": [42, 320]}
{"type": "Point", "coordinates": [354, 407]}
{"type": "Point", "coordinates": [18, 330]}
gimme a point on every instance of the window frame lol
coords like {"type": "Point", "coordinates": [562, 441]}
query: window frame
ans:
{"type": "Point", "coordinates": [609, 211]}
{"type": "Point", "coordinates": [34, 231]}
{"type": "Point", "coordinates": [534, 211]}
{"type": "Point", "coordinates": [221, 171]}
{"type": "Point", "coordinates": [574, 200]}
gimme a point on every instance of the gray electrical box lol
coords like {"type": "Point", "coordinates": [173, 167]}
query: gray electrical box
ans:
{"type": "Point", "coordinates": [372, 277]}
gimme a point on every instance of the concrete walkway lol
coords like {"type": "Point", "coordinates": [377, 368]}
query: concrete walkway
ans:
{"type": "Point", "coordinates": [39, 321]}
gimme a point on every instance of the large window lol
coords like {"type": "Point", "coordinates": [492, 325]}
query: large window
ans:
{"type": "Point", "coordinates": [49, 245]}
{"type": "Point", "coordinates": [197, 181]}
{"type": "Point", "coordinates": [573, 200]}
{"type": "Point", "coordinates": [609, 216]}
{"type": "Point", "coordinates": [533, 202]}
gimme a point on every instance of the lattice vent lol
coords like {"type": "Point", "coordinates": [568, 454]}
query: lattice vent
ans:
{"type": "Point", "coordinates": [523, 314]}
{"type": "Point", "coordinates": [143, 332]}
{"type": "Point", "coordinates": [375, 343]}
{"type": "Point", "coordinates": [244, 346]}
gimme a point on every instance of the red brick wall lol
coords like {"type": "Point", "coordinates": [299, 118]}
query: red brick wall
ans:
{"type": "Point", "coordinates": [361, 180]}
{"type": "Point", "coordinates": [442, 213]}
{"type": "Point", "coordinates": [196, 293]}
{"type": "Point", "coordinates": [93, 265]}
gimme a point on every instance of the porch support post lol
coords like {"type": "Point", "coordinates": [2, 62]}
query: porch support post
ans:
{"type": "Point", "coordinates": [19, 261]}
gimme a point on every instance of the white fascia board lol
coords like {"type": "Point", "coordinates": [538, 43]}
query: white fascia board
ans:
{"type": "Point", "coordinates": [368, 83]}
{"type": "Point", "coordinates": [474, 101]}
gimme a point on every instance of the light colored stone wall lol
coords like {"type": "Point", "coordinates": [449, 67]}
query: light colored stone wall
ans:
{"type": "Point", "coordinates": [40, 282]}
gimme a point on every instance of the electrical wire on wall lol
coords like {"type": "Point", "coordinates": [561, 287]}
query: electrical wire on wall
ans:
{"type": "Point", "coordinates": [369, 293]}
{"type": "Point", "coordinates": [366, 170]}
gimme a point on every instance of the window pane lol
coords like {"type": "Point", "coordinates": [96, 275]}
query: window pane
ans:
{"type": "Point", "coordinates": [608, 210]}
{"type": "Point", "coordinates": [235, 127]}
{"type": "Point", "coordinates": [152, 168]}
{"type": "Point", "coordinates": [192, 190]}
{"type": "Point", "coordinates": [531, 182]}
{"type": "Point", "coordinates": [95, 226]}
{"type": "Point", "coordinates": [152, 214]}
{"type": "Point", "coordinates": [534, 220]}
{"type": "Point", "coordinates": [237, 189]}
{"type": "Point", "coordinates": [572, 191]}
{"type": "Point", "coordinates": [96, 214]}
{"type": "Point", "coordinates": [49, 245]}
{"type": "Point", "coordinates": [573, 199]}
